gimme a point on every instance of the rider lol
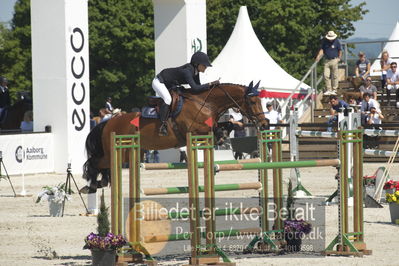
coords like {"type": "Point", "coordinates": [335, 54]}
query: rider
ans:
{"type": "Point", "coordinates": [173, 77]}
{"type": "Point", "coordinates": [4, 96]}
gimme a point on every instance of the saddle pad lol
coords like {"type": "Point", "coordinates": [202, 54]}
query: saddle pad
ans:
{"type": "Point", "coordinates": [150, 112]}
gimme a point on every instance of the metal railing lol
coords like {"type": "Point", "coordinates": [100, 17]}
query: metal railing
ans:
{"type": "Point", "coordinates": [312, 91]}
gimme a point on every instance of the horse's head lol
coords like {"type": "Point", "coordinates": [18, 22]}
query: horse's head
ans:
{"type": "Point", "coordinates": [253, 107]}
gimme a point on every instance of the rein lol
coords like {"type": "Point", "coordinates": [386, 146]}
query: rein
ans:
{"type": "Point", "coordinates": [238, 106]}
{"type": "Point", "coordinates": [202, 105]}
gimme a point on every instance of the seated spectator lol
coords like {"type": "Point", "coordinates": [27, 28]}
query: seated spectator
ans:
{"type": "Point", "coordinates": [352, 101]}
{"type": "Point", "coordinates": [374, 119]}
{"type": "Point", "coordinates": [362, 69]}
{"type": "Point", "coordinates": [393, 81]}
{"type": "Point", "coordinates": [93, 122]}
{"type": "Point", "coordinates": [336, 107]}
{"type": "Point", "coordinates": [369, 88]}
{"type": "Point", "coordinates": [375, 116]}
{"type": "Point", "coordinates": [27, 123]}
{"type": "Point", "coordinates": [104, 115]}
{"type": "Point", "coordinates": [367, 103]}
{"type": "Point", "coordinates": [385, 63]}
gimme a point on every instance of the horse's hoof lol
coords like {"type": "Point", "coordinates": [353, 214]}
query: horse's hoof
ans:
{"type": "Point", "coordinates": [87, 190]}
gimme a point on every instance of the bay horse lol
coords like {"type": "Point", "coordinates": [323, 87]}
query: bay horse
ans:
{"type": "Point", "coordinates": [197, 108]}
{"type": "Point", "coordinates": [14, 114]}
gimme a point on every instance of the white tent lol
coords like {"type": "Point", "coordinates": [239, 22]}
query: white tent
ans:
{"type": "Point", "coordinates": [244, 59]}
{"type": "Point", "coordinates": [391, 47]}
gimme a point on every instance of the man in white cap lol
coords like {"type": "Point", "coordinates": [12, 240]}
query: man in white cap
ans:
{"type": "Point", "coordinates": [331, 49]}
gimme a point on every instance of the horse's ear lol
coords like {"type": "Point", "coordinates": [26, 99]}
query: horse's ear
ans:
{"type": "Point", "coordinates": [253, 91]}
{"type": "Point", "coordinates": [251, 85]}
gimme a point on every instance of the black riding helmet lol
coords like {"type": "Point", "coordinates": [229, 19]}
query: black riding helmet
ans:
{"type": "Point", "coordinates": [200, 58]}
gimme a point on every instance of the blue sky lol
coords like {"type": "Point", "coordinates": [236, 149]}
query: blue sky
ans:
{"type": "Point", "coordinates": [378, 23]}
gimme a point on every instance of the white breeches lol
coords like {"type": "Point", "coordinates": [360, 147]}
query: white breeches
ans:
{"type": "Point", "coordinates": [161, 90]}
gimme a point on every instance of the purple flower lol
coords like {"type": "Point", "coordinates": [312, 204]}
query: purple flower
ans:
{"type": "Point", "coordinates": [297, 226]}
{"type": "Point", "coordinates": [110, 241]}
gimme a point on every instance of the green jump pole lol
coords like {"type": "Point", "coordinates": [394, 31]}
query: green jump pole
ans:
{"type": "Point", "coordinates": [276, 165]}
{"type": "Point", "coordinates": [181, 190]}
{"type": "Point", "coordinates": [171, 166]}
{"type": "Point", "coordinates": [187, 235]}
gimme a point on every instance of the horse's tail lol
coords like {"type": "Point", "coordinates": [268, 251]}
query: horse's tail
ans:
{"type": "Point", "coordinates": [95, 152]}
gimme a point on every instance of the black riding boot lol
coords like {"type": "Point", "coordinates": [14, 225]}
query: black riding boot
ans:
{"type": "Point", "coordinates": [163, 115]}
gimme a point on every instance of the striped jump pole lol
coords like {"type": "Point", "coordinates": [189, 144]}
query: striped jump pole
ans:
{"type": "Point", "coordinates": [182, 190]}
{"type": "Point", "coordinates": [169, 166]}
{"type": "Point", "coordinates": [380, 132]}
{"type": "Point", "coordinates": [321, 134]}
{"type": "Point", "coordinates": [119, 145]}
{"type": "Point", "coordinates": [381, 153]}
{"type": "Point", "coordinates": [277, 165]}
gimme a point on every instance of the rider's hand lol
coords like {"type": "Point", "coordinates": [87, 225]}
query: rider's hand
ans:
{"type": "Point", "coordinates": [216, 82]}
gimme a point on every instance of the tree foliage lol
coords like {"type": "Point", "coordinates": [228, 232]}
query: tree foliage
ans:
{"type": "Point", "coordinates": [121, 51]}
{"type": "Point", "coordinates": [15, 55]}
{"type": "Point", "coordinates": [121, 40]}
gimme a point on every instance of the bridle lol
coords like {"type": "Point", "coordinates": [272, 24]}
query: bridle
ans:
{"type": "Point", "coordinates": [253, 117]}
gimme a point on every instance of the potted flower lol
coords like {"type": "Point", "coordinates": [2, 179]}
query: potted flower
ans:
{"type": "Point", "coordinates": [392, 197]}
{"type": "Point", "coordinates": [391, 186]}
{"type": "Point", "coordinates": [103, 245]}
{"type": "Point", "coordinates": [55, 195]}
{"type": "Point", "coordinates": [294, 229]}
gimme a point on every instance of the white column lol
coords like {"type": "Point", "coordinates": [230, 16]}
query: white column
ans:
{"type": "Point", "coordinates": [180, 31]}
{"type": "Point", "coordinates": [60, 73]}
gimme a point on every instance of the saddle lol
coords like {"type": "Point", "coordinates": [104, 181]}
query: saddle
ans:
{"type": "Point", "coordinates": [154, 104]}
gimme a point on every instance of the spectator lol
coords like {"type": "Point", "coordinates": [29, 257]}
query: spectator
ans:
{"type": "Point", "coordinates": [108, 105]}
{"type": "Point", "coordinates": [367, 103]}
{"type": "Point", "coordinates": [393, 82]}
{"type": "Point", "coordinates": [336, 107]}
{"type": "Point", "coordinates": [93, 122]}
{"type": "Point", "coordinates": [375, 116]}
{"type": "Point", "coordinates": [369, 88]}
{"type": "Point", "coordinates": [5, 100]}
{"type": "Point", "coordinates": [385, 64]}
{"type": "Point", "coordinates": [273, 116]}
{"type": "Point", "coordinates": [27, 123]}
{"type": "Point", "coordinates": [104, 115]}
{"type": "Point", "coordinates": [374, 119]}
{"type": "Point", "coordinates": [331, 48]}
{"type": "Point", "coordinates": [352, 101]}
{"type": "Point", "coordinates": [238, 125]}
{"type": "Point", "coordinates": [362, 68]}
